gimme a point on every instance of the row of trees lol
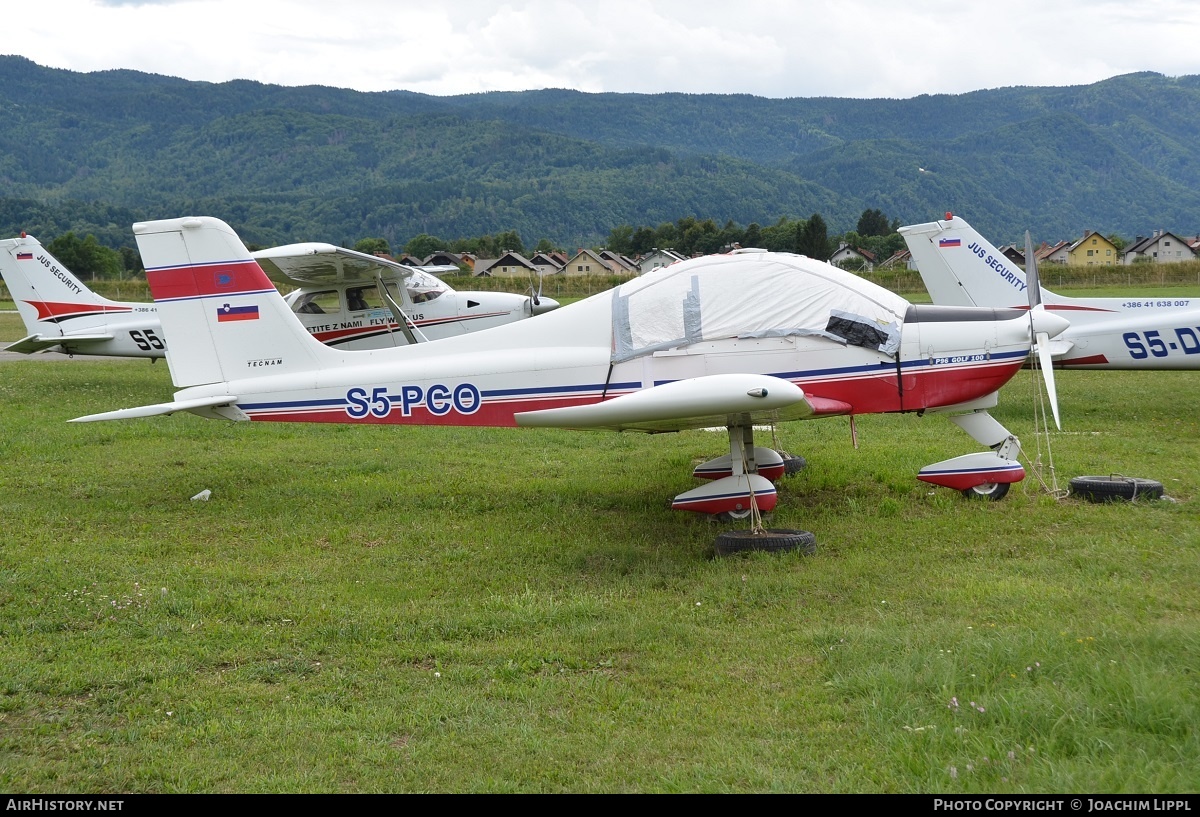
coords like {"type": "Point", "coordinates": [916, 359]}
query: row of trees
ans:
{"type": "Point", "coordinates": [687, 236]}
{"type": "Point", "coordinates": [809, 236]}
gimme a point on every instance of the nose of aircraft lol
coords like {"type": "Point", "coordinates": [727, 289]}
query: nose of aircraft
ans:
{"type": "Point", "coordinates": [1043, 321]}
{"type": "Point", "coordinates": [542, 304]}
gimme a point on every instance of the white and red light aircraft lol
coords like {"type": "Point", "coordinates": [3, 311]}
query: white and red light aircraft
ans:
{"type": "Point", "coordinates": [960, 268]}
{"type": "Point", "coordinates": [345, 298]}
{"type": "Point", "coordinates": [731, 340]}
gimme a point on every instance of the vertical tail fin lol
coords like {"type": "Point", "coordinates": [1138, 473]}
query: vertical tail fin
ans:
{"type": "Point", "coordinates": [961, 268]}
{"type": "Point", "coordinates": [223, 316]}
{"type": "Point", "coordinates": [52, 302]}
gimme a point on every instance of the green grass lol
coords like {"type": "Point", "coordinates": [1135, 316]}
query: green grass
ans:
{"type": "Point", "coordinates": [371, 609]}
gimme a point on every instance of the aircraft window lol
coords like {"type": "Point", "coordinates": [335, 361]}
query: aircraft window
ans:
{"type": "Point", "coordinates": [360, 299]}
{"type": "Point", "coordinates": [859, 331]}
{"type": "Point", "coordinates": [424, 287]}
{"type": "Point", "coordinates": [317, 303]}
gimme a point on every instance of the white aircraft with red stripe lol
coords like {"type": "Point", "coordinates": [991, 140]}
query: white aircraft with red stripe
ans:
{"type": "Point", "coordinates": [735, 340]}
{"type": "Point", "coordinates": [960, 268]}
{"type": "Point", "coordinates": [353, 300]}
{"type": "Point", "coordinates": [344, 298]}
{"type": "Point", "coordinates": [61, 313]}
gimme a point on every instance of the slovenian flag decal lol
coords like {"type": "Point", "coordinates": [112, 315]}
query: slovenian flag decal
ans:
{"type": "Point", "coordinates": [24, 256]}
{"type": "Point", "coordinates": [949, 242]}
{"type": "Point", "coordinates": [237, 313]}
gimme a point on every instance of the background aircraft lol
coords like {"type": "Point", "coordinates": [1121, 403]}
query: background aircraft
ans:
{"type": "Point", "coordinates": [346, 298]}
{"type": "Point", "coordinates": [361, 298]}
{"type": "Point", "coordinates": [60, 312]}
{"type": "Point", "coordinates": [733, 340]}
{"type": "Point", "coordinates": [960, 268]}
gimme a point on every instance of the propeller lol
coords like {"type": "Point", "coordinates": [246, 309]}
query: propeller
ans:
{"type": "Point", "coordinates": [535, 297]}
{"type": "Point", "coordinates": [1038, 328]}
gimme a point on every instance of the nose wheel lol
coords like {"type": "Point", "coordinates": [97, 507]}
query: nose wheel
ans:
{"type": "Point", "coordinates": [992, 491]}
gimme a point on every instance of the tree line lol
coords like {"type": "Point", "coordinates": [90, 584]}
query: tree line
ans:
{"type": "Point", "coordinates": [687, 236]}
{"type": "Point", "coordinates": [88, 258]}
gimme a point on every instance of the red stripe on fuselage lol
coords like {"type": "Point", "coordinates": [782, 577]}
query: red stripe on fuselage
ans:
{"type": "Point", "coordinates": [49, 309]}
{"type": "Point", "coordinates": [1065, 308]}
{"type": "Point", "coordinates": [926, 388]}
{"type": "Point", "coordinates": [1091, 360]}
{"type": "Point", "coordinates": [230, 278]}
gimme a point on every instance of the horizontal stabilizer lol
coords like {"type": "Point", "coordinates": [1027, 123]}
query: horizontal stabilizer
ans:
{"type": "Point", "coordinates": [699, 402]}
{"type": "Point", "coordinates": [37, 343]}
{"type": "Point", "coordinates": [163, 408]}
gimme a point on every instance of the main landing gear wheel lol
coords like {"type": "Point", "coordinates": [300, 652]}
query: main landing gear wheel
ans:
{"type": "Point", "coordinates": [1109, 489]}
{"type": "Point", "coordinates": [732, 516]}
{"type": "Point", "coordinates": [994, 491]}
{"type": "Point", "coordinates": [774, 540]}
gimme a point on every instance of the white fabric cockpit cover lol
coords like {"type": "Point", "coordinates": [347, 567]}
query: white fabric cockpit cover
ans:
{"type": "Point", "coordinates": [749, 294]}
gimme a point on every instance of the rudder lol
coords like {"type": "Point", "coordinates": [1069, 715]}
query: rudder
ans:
{"type": "Point", "coordinates": [224, 317]}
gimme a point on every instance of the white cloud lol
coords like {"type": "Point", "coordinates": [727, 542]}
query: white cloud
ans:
{"type": "Point", "coordinates": [776, 48]}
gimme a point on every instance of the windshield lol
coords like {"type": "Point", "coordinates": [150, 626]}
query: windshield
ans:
{"type": "Point", "coordinates": [424, 287]}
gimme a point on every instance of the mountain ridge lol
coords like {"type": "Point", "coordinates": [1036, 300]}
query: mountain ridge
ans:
{"type": "Point", "coordinates": [312, 162]}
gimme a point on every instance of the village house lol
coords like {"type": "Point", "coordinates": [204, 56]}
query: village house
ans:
{"type": "Point", "coordinates": [509, 265]}
{"type": "Point", "coordinates": [619, 263]}
{"type": "Point", "coordinates": [900, 258]}
{"type": "Point", "coordinates": [1160, 248]}
{"type": "Point", "coordinates": [1052, 253]}
{"type": "Point", "coordinates": [657, 258]}
{"type": "Point", "coordinates": [853, 257]}
{"type": "Point", "coordinates": [549, 263]}
{"type": "Point", "coordinates": [586, 262]}
{"type": "Point", "coordinates": [1093, 250]}
{"type": "Point", "coordinates": [1014, 254]}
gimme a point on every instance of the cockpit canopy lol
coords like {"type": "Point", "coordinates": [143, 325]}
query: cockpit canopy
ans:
{"type": "Point", "coordinates": [752, 293]}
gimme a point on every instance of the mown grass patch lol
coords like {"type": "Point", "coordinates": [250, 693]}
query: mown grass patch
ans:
{"type": "Point", "coordinates": [366, 609]}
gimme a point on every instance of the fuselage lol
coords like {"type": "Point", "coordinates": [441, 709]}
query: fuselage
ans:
{"type": "Point", "coordinates": [1128, 333]}
{"type": "Point", "coordinates": [945, 357]}
{"type": "Point", "coordinates": [365, 321]}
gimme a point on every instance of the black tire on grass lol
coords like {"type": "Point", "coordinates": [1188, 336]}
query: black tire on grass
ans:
{"type": "Point", "coordinates": [1114, 488]}
{"type": "Point", "coordinates": [775, 540]}
{"type": "Point", "coordinates": [792, 463]}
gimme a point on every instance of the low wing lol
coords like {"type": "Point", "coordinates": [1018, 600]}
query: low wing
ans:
{"type": "Point", "coordinates": [699, 402]}
{"type": "Point", "coordinates": [37, 343]}
{"type": "Point", "coordinates": [315, 264]}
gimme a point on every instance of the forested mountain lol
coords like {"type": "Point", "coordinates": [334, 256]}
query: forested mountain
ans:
{"type": "Point", "coordinates": [94, 152]}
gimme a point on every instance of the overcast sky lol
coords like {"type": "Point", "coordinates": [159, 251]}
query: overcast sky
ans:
{"type": "Point", "coordinates": [771, 48]}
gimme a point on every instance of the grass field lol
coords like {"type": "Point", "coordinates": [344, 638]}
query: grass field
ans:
{"type": "Point", "coordinates": [371, 609]}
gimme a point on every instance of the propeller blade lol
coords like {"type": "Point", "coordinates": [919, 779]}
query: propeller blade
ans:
{"type": "Point", "coordinates": [1033, 284]}
{"type": "Point", "coordinates": [1044, 360]}
{"type": "Point", "coordinates": [1041, 339]}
